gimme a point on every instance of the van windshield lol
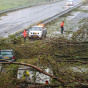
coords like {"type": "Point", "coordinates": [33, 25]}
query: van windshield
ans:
{"type": "Point", "coordinates": [36, 29]}
{"type": "Point", "coordinates": [6, 53]}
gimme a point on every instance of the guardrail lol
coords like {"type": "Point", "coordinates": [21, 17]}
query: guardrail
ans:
{"type": "Point", "coordinates": [60, 14]}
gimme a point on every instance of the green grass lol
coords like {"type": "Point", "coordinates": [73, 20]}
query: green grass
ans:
{"type": "Point", "coordinates": [8, 4]}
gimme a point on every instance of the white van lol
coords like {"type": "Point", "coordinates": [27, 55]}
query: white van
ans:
{"type": "Point", "coordinates": [70, 3]}
{"type": "Point", "coordinates": [38, 31]}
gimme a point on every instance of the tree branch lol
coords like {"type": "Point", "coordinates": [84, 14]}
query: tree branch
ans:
{"type": "Point", "coordinates": [38, 69]}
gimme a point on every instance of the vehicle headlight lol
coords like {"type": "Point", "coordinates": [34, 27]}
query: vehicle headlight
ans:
{"type": "Point", "coordinates": [29, 33]}
{"type": "Point", "coordinates": [40, 33]}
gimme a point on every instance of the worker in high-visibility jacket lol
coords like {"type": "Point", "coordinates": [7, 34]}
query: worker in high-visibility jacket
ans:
{"type": "Point", "coordinates": [24, 35]}
{"type": "Point", "coordinates": [62, 26]}
{"type": "Point", "coordinates": [26, 75]}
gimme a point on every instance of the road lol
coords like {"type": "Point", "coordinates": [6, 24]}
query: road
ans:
{"type": "Point", "coordinates": [15, 21]}
{"type": "Point", "coordinates": [75, 18]}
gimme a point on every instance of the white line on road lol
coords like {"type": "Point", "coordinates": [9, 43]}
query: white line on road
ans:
{"type": "Point", "coordinates": [75, 15]}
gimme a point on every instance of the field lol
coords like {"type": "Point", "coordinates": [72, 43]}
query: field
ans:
{"type": "Point", "coordinates": [8, 4]}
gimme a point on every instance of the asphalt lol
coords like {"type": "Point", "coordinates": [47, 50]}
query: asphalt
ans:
{"type": "Point", "coordinates": [18, 20]}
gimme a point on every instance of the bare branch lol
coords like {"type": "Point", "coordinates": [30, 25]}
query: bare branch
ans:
{"type": "Point", "coordinates": [38, 69]}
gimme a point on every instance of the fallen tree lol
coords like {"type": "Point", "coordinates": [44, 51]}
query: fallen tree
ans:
{"type": "Point", "coordinates": [62, 82]}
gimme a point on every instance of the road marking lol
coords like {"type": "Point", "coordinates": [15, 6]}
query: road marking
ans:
{"type": "Point", "coordinates": [75, 15]}
{"type": "Point", "coordinates": [83, 8]}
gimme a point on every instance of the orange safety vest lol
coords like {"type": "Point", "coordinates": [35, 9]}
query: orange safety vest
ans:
{"type": "Point", "coordinates": [62, 24]}
{"type": "Point", "coordinates": [24, 33]}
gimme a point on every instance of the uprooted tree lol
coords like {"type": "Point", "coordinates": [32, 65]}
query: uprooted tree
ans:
{"type": "Point", "coordinates": [61, 82]}
{"type": "Point", "coordinates": [67, 60]}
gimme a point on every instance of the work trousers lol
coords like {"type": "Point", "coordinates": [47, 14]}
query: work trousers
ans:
{"type": "Point", "coordinates": [24, 39]}
{"type": "Point", "coordinates": [62, 29]}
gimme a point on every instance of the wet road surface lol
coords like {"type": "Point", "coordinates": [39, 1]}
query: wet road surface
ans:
{"type": "Point", "coordinates": [18, 20]}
